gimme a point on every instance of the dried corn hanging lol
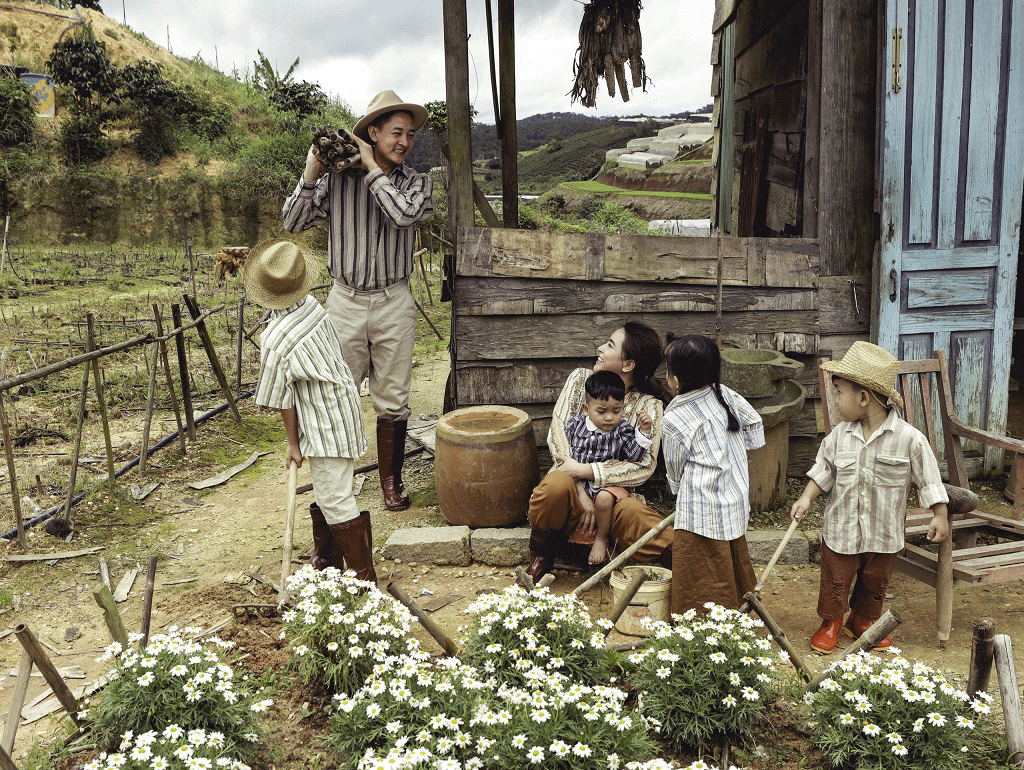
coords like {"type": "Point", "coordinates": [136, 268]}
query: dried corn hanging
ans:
{"type": "Point", "coordinates": [336, 149]}
{"type": "Point", "coordinates": [609, 39]}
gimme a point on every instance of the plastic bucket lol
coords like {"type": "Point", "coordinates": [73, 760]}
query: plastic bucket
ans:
{"type": "Point", "coordinates": [652, 600]}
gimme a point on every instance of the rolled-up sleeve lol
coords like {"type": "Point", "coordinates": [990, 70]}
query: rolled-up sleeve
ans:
{"type": "Point", "coordinates": [823, 472]}
{"type": "Point", "coordinates": [924, 470]}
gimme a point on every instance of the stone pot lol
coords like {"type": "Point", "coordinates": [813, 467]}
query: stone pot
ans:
{"type": "Point", "coordinates": [767, 465]}
{"type": "Point", "coordinates": [753, 373]}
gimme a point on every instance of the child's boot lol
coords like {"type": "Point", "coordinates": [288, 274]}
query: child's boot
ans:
{"type": "Point", "coordinates": [856, 626]}
{"type": "Point", "coordinates": [355, 540]}
{"type": "Point", "coordinates": [826, 638]}
{"type": "Point", "coordinates": [323, 543]}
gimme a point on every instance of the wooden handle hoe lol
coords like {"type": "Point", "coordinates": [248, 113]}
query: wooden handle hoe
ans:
{"type": "Point", "coordinates": [746, 606]}
{"type": "Point", "coordinates": [289, 533]}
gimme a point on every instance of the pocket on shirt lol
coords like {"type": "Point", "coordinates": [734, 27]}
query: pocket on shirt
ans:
{"type": "Point", "coordinates": [846, 466]}
{"type": "Point", "coordinates": [891, 471]}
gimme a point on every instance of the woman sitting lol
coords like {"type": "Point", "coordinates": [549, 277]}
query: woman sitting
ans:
{"type": "Point", "coordinates": [634, 353]}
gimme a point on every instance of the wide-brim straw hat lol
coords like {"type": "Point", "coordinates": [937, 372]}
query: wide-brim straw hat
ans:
{"type": "Point", "coordinates": [871, 366]}
{"type": "Point", "coordinates": [388, 101]}
{"type": "Point", "coordinates": [279, 273]}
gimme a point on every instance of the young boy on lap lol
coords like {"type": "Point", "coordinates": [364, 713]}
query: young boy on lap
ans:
{"type": "Point", "coordinates": [867, 464]}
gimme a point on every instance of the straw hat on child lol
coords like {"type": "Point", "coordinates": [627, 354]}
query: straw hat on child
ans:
{"type": "Point", "coordinates": [388, 101]}
{"type": "Point", "coordinates": [871, 366]}
{"type": "Point", "coordinates": [279, 273]}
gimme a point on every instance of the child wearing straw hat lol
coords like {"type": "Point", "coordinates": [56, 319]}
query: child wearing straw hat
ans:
{"type": "Point", "coordinates": [866, 464]}
{"type": "Point", "coordinates": [303, 374]}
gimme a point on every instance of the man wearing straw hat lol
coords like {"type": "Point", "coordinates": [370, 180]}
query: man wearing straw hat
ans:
{"type": "Point", "coordinates": [867, 464]}
{"type": "Point", "coordinates": [303, 374]}
{"type": "Point", "coordinates": [372, 210]}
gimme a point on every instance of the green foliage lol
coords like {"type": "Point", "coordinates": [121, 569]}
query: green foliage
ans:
{"type": "Point", "coordinates": [705, 679]}
{"type": "Point", "coordinates": [268, 79]}
{"type": "Point", "coordinates": [302, 98]}
{"type": "Point", "coordinates": [17, 113]}
{"type": "Point", "coordinates": [79, 63]}
{"type": "Point", "coordinates": [177, 681]}
{"type": "Point", "coordinates": [578, 156]}
{"type": "Point", "coordinates": [82, 139]}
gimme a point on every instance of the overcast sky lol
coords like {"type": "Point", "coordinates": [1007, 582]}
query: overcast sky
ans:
{"type": "Point", "coordinates": [356, 48]}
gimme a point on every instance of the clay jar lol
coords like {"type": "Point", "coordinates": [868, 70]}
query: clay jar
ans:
{"type": "Point", "coordinates": [485, 465]}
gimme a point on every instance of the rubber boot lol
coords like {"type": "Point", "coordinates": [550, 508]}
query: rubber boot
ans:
{"type": "Point", "coordinates": [355, 541]}
{"type": "Point", "coordinates": [856, 626]}
{"type": "Point", "coordinates": [826, 637]}
{"type": "Point", "coordinates": [323, 543]}
{"type": "Point", "coordinates": [400, 429]}
{"type": "Point", "coordinates": [544, 546]}
{"type": "Point", "coordinates": [394, 500]}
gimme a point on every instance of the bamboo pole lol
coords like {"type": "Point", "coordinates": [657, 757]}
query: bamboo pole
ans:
{"type": "Point", "coordinates": [1010, 694]}
{"type": "Point", "coordinates": [612, 565]}
{"type": "Point", "coordinates": [867, 641]}
{"type": "Point", "coordinates": [167, 375]}
{"type": "Point", "coordinates": [147, 601]}
{"type": "Point", "coordinates": [111, 616]}
{"type": "Point", "coordinates": [211, 353]}
{"type": "Point", "coordinates": [9, 451]}
{"type": "Point", "coordinates": [102, 401]}
{"type": "Point", "coordinates": [289, 533]}
{"type": "Point", "coordinates": [982, 649]}
{"type": "Point", "coordinates": [150, 398]}
{"type": "Point", "coordinates": [186, 388]}
{"type": "Point", "coordinates": [778, 634]}
{"type": "Point", "coordinates": [46, 668]}
{"type": "Point", "coordinates": [625, 598]}
{"type": "Point", "coordinates": [425, 620]}
{"type": "Point", "coordinates": [6, 763]}
{"type": "Point", "coordinates": [17, 701]}
{"type": "Point", "coordinates": [77, 449]}
{"type": "Point", "coordinates": [241, 337]}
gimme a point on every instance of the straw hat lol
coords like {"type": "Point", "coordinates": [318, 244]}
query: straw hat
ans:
{"type": "Point", "coordinates": [388, 101]}
{"type": "Point", "coordinates": [280, 273]}
{"type": "Point", "coordinates": [870, 366]}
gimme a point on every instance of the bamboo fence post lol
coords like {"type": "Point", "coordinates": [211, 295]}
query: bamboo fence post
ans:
{"type": "Point", "coordinates": [9, 451]}
{"type": "Point", "coordinates": [147, 601]}
{"type": "Point", "coordinates": [1010, 694]}
{"type": "Point", "coordinates": [17, 701]}
{"type": "Point", "coordinates": [60, 366]}
{"type": "Point", "coordinates": [102, 403]}
{"type": "Point", "coordinates": [982, 649]}
{"type": "Point", "coordinates": [46, 668]}
{"type": "Point", "coordinates": [241, 336]}
{"type": "Point", "coordinates": [6, 763]}
{"type": "Point", "coordinates": [150, 396]}
{"type": "Point", "coordinates": [77, 449]}
{"type": "Point", "coordinates": [426, 281]}
{"type": "Point", "coordinates": [211, 353]}
{"type": "Point", "coordinates": [627, 596]}
{"type": "Point", "coordinates": [167, 374]}
{"type": "Point", "coordinates": [186, 388]}
{"type": "Point", "coordinates": [111, 616]}
{"type": "Point", "coordinates": [778, 634]}
{"type": "Point", "coordinates": [867, 641]}
{"type": "Point", "coordinates": [426, 621]}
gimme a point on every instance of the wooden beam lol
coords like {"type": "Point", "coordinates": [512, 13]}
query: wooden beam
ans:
{"type": "Point", "coordinates": [508, 134]}
{"type": "Point", "coordinates": [460, 173]}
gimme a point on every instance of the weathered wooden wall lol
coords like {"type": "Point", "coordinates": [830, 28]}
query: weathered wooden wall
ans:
{"type": "Point", "coordinates": [531, 306]}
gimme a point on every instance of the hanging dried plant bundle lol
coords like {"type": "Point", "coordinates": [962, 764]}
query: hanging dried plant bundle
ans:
{"type": "Point", "coordinates": [609, 39]}
{"type": "Point", "coordinates": [336, 149]}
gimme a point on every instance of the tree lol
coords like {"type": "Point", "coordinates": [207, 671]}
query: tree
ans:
{"type": "Point", "coordinates": [17, 113]}
{"type": "Point", "coordinates": [268, 79]}
{"type": "Point", "coordinates": [80, 65]}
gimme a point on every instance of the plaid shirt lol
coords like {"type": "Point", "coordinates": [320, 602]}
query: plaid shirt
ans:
{"type": "Point", "coordinates": [301, 366]}
{"type": "Point", "coordinates": [869, 480]}
{"type": "Point", "coordinates": [591, 444]}
{"type": "Point", "coordinates": [706, 464]}
{"type": "Point", "coordinates": [372, 218]}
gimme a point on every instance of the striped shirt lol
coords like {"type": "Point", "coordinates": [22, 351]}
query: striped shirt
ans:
{"type": "Point", "coordinates": [621, 473]}
{"type": "Point", "coordinates": [706, 463]}
{"type": "Point", "coordinates": [591, 444]}
{"type": "Point", "coordinates": [869, 480]}
{"type": "Point", "coordinates": [372, 218]}
{"type": "Point", "coordinates": [301, 366]}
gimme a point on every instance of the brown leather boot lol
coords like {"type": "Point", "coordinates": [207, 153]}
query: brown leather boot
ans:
{"type": "Point", "coordinates": [355, 541]}
{"type": "Point", "coordinates": [400, 428]}
{"type": "Point", "coordinates": [394, 499]}
{"type": "Point", "coordinates": [323, 544]}
{"type": "Point", "coordinates": [544, 546]}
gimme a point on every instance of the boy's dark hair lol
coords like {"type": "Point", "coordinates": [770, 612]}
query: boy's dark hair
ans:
{"type": "Point", "coordinates": [380, 120]}
{"type": "Point", "coordinates": [882, 398]}
{"type": "Point", "coordinates": [604, 385]}
{"type": "Point", "coordinates": [695, 361]}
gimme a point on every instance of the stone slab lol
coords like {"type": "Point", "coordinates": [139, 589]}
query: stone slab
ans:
{"type": "Point", "coordinates": [763, 542]}
{"type": "Point", "coordinates": [500, 547]}
{"type": "Point", "coordinates": [436, 545]}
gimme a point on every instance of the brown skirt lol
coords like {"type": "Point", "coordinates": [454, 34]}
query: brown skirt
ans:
{"type": "Point", "coordinates": [706, 570]}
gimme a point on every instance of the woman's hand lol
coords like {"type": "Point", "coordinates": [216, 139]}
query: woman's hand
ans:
{"type": "Point", "coordinates": [576, 470]}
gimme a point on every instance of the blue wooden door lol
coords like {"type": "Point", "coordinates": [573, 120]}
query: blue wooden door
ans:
{"type": "Point", "coordinates": [952, 176]}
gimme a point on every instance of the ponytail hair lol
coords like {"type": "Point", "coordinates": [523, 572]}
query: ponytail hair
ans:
{"type": "Point", "coordinates": [694, 360]}
{"type": "Point", "coordinates": [642, 345]}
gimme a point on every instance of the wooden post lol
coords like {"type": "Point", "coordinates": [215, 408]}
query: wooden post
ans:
{"type": "Point", "coordinates": [982, 649]}
{"type": "Point", "coordinates": [46, 668]}
{"type": "Point", "coordinates": [104, 572]}
{"type": "Point", "coordinates": [456, 55]}
{"type": "Point", "coordinates": [1010, 694]}
{"type": "Point", "coordinates": [90, 321]}
{"type": "Point", "coordinates": [425, 620]}
{"type": "Point", "coordinates": [167, 374]}
{"type": "Point", "coordinates": [17, 701]}
{"type": "Point", "coordinates": [6, 763]}
{"type": "Point", "coordinates": [77, 449]}
{"type": "Point", "coordinates": [211, 353]}
{"type": "Point", "coordinates": [150, 396]}
{"type": "Point", "coordinates": [625, 598]}
{"type": "Point", "coordinates": [508, 135]}
{"type": "Point", "coordinates": [778, 634]}
{"type": "Point", "coordinates": [111, 616]}
{"type": "Point", "coordinates": [9, 451]}
{"type": "Point", "coordinates": [147, 602]}
{"type": "Point", "coordinates": [944, 590]}
{"type": "Point", "coordinates": [186, 387]}
{"type": "Point", "coordinates": [241, 336]}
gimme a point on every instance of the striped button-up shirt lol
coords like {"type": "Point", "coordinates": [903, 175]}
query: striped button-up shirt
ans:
{"type": "Point", "coordinates": [706, 463]}
{"type": "Point", "coordinates": [622, 473]}
{"type": "Point", "coordinates": [301, 366]}
{"type": "Point", "coordinates": [371, 222]}
{"type": "Point", "coordinates": [591, 444]}
{"type": "Point", "coordinates": [869, 480]}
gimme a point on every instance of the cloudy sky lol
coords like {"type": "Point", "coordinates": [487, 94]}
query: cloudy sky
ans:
{"type": "Point", "coordinates": [355, 48]}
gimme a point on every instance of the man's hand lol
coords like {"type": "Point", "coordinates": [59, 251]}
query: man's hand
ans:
{"type": "Point", "coordinates": [314, 168]}
{"type": "Point", "coordinates": [366, 159]}
{"type": "Point", "coordinates": [643, 422]}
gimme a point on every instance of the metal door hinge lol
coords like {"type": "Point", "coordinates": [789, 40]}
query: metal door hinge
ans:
{"type": "Point", "coordinates": [897, 59]}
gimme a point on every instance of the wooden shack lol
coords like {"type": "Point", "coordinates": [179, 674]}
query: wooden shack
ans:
{"type": "Point", "coordinates": [869, 180]}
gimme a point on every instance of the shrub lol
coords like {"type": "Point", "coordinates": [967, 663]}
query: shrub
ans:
{"type": "Point", "coordinates": [17, 113]}
{"type": "Point", "coordinates": [82, 139]}
{"type": "Point", "coordinates": [894, 714]}
{"type": "Point", "coordinates": [173, 748]}
{"type": "Point", "coordinates": [80, 64]}
{"type": "Point", "coordinates": [705, 679]}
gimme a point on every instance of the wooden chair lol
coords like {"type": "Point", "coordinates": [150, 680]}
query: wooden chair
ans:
{"type": "Point", "coordinates": [926, 391]}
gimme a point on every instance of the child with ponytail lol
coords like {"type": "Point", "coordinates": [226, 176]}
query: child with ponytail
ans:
{"type": "Point", "coordinates": [707, 430]}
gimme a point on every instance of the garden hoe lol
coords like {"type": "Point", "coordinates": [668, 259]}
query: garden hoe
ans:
{"type": "Point", "coordinates": [289, 534]}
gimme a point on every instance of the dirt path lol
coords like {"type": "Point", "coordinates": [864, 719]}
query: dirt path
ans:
{"type": "Point", "coordinates": [237, 528]}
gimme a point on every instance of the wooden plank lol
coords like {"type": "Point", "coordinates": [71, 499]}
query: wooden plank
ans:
{"type": "Point", "coordinates": [845, 304]}
{"type": "Point", "coordinates": [951, 259]}
{"type": "Point", "coordinates": [724, 9]}
{"type": "Point", "coordinates": [950, 150]}
{"type": "Point", "coordinates": [812, 121]}
{"type": "Point", "coordinates": [456, 54]}
{"type": "Point", "coordinates": [789, 261]}
{"type": "Point", "coordinates": [786, 113]}
{"type": "Point", "coordinates": [1003, 575]}
{"type": "Point", "coordinates": [934, 289]}
{"type": "Point", "coordinates": [1013, 558]}
{"type": "Point", "coordinates": [784, 158]}
{"type": "Point", "coordinates": [967, 523]}
{"type": "Point", "coordinates": [915, 570]}
{"type": "Point", "coordinates": [921, 182]}
{"type": "Point", "coordinates": [960, 571]}
{"type": "Point", "coordinates": [517, 381]}
{"type": "Point", "coordinates": [917, 323]}
{"type": "Point", "coordinates": [782, 208]}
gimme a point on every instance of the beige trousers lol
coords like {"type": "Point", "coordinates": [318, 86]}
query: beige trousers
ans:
{"type": "Point", "coordinates": [378, 331]}
{"type": "Point", "coordinates": [332, 486]}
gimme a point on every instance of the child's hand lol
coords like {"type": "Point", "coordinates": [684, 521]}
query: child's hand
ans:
{"type": "Point", "coordinates": [938, 529]}
{"type": "Point", "coordinates": [800, 508]}
{"type": "Point", "coordinates": [293, 455]}
{"type": "Point", "coordinates": [643, 422]}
